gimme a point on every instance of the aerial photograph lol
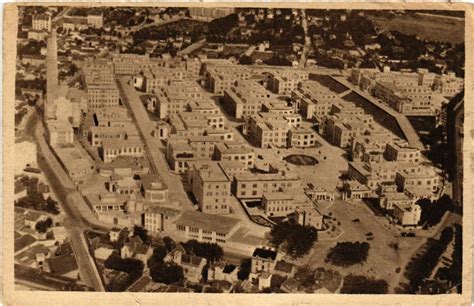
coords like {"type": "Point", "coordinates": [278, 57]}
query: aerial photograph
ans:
{"type": "Point", "coordinates": [238, 150]}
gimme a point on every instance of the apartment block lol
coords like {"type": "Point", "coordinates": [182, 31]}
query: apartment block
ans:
{"type": "Point", "coordinates": [112, 148]}
{"type": "Point", "coordinates": [95, 20]}
{"type": "Point", "coordinates": [112, 117]}
{"type": "Point", "coordinates": [154, 79]}
{"type": "Point", "coordinates": [159, 219]}
{"type": "Point", "coordinates": [210, 187]}
{"type": "Point", "coordinates": [174, 98]}
{"type": "Point", "coordinates": [283, 82]}
{"type": "Point", "coordinates": [267, 132]}
{"type": "Point", "coordinates": [245, 98]}
{"type": "Point", "coordinates": [100, 133]}
{"type": "Point", "coordinates": [313, 100]}
{"type": "Point", "coordinates": [179, 155]}
{"type": "Point", "coordinates": [401, 151]}
{"type": "Point", "coordinates": [301, 138]}
{"type": "Point", "coordinates": [233, 151]}
{"type": "Point", "coordinates": [41, 22]}
{"type": "Point", "coordinates": [419, 181]}
{"type": "Point", "coordinates": [59, 132]}
{"type": "Point", "coordinates": [278, 204]}
{"type": "Point", "coordinates": [102, 95]}
{"type": "Point", "coordinates": [254, 185]}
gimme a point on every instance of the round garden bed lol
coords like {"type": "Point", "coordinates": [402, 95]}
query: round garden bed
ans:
{"type": "Point", "coordinates": [301, 160]}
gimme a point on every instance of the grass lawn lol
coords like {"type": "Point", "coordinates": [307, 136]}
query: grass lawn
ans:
{"type": "Point", "coordinates": [427, 27]}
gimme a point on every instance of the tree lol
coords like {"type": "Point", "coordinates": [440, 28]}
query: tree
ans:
{"type": "Point", "coordinates": [51, 206]}
{"type": "Point", "coordinates": [140, 232]}
{"type": "Point", "coordinates": [245, 60]}
{"type": "Point", "coordinates": [169, 243]}
{"type": "Point", "coordinates": [244, 270]}
{"type": "Point", "coordinates": [358, 284]}
{"type": "Point", "coordinates": [298, 239]}
{"type": "Point", "coordinates": [127, 265]}
{"type": "Point", "coordinates": [433, 212]}
{"type": "Point", "coordinates": [166, 273]}
{"type": "Point", "coordinates": [211, 251]}
{"type": "Point", "coordinates": [348, 253]}
{"type": "Point", "coordinates": [159, 253]}
{"type": "Point", "coordinates": [43, 226]}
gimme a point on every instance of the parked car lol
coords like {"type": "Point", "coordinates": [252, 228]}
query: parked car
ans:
{"type": "Point", "coordinates": [356, 220]}
{"type": "Point", "coordinates": [408, 234]}
{"type": "Point", "coordinates": [369, 234]}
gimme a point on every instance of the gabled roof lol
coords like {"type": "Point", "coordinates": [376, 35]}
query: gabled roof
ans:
{"type": "Point", "coordinates": [284, 266]}
{"type": "Point", "coordinates": [62, 264]}
{"type": "Point", "coordinates": [192, 260]}
{"type": "Point", "coordinates": [264, 253]}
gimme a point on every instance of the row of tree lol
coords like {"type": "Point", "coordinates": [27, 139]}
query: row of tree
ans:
{"type": "Point", "coordinates": [421, 266]}
{"type": "Point", "coordinates": [433, 211]}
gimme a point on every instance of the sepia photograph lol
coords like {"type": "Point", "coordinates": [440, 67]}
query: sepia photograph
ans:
{"type": "Point", "coordinates": [237, 149]}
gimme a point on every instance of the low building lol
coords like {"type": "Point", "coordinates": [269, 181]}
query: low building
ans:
{"type": "Point", "coordinates": [222, 272]}
{"type": "Point", "coordinates": [192, 265]}
{"type": "Point", "coordinates": [422, 179]}
{"type": "Point", "coordinates": [135, 248]}
{"type": "Point", "coordinates": [205, 227]}
{"type": "Point", "coordinates": [353, 190]}
{"type": "Point", "coordinates": [75, 161]}
{"type": "Point", "coordinates": [309, 216]}
{"type": "Point", "coordinates": [284, 269]}
{"type": "Point", "coordinates": [154, 189]}
{"type": "Point", "coordinates": [387, 200]}
{"type": "Point", "coordinates": [406, 215]}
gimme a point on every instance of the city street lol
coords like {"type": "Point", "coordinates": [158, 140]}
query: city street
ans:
{"type": "Point", "coordinates": [153, 146]}
{"type": "Point", "coordinates": [79, 216]}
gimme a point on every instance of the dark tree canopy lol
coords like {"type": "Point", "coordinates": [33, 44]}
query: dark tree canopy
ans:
{"type": "Point", "coordinates": [166, 273]}
{"type": "Point", "coordinates": [140, 232]}
{"type": "Point", "coordinates": [358, 284]}
{"type": "Point", "coordinates": [244, 270]}
{"type": "Point", "coordinates": [211, 251]}
{"type": "Point", "coordinates": [298, 239]}
{"type": "Point", "coordinates": [43, 226]}
{"type": "Point", "coordinates": [348, 253]}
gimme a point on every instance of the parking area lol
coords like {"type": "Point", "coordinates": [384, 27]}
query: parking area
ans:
{"type": "Point", "coordinates": [388, 251]}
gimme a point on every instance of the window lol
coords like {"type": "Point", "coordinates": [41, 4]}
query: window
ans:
{"type": "Point", "coordinates": [180, 227]}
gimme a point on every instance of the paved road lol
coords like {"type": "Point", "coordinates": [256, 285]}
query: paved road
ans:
{"type": "Point", "coordinates": [153, 147]}
{"type": "Point", "coordinates": [79, 216]}
{"type": "Point", "coordinates": [307, 39]}
{"type": "Point", "coordinates": [193, 47]}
